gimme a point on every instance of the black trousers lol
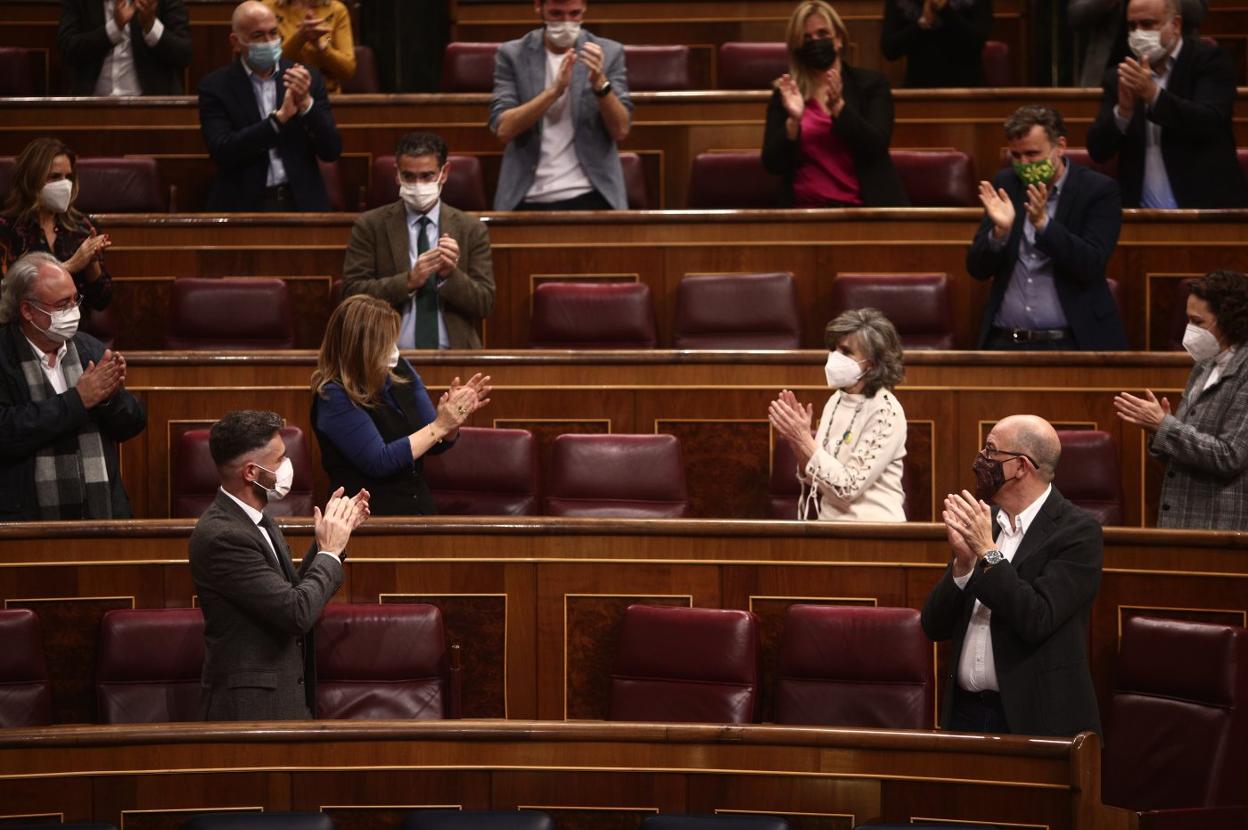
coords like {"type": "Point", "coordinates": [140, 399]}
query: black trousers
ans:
{"type": "Point", "coordinates": [977, 712]}
{"type": "Point", "coordinates": [593, 200]}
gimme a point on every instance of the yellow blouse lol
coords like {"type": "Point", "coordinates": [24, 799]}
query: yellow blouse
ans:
{"type": "Point", "coordinates": [335, 57]}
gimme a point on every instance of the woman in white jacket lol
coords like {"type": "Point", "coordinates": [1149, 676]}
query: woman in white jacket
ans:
{"type": "Point", "coordinates": [850, 469]}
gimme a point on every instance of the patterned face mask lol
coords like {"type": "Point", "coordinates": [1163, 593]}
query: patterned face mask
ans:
{"type": "Point", "coordinates": [1035, 172]}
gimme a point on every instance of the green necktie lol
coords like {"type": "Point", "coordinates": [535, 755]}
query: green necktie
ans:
{"type": "Point", "coordinates": [426, 296]}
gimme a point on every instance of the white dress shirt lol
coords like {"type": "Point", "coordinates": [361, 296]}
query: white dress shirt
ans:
{"type": "Point", "coordinates": [117, 75]}
{"type": "Point", "coordinates": [265, 90]}
{"type": "Point", "coordinates": [55, 373]}
{"type": "Point", "coordinates": [255, 515]}
{"type": "Point", "coordinates": [977, 672]}
{"type": "Point", "coordinates": [559, 175]}
{"type": "Point", "coordinates": [1219, 363]}
{"type": "Point", "coordinates": [407, 325]}
{"type": "Point", "coordinates": [1156, 192]}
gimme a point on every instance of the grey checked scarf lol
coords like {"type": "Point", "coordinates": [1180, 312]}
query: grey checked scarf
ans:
{"type": "Point", "coordinates": [71, 478]}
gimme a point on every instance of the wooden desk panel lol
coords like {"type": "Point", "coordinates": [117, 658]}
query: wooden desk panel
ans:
{"type": "Point", "coordinates": [1154, 252]}
{"type": "Point", "coordinates": [535, 602]}
{"type": "Point", "coordinates": [715, 403]}
{"type": "Point", "coordinates": [591, 775]}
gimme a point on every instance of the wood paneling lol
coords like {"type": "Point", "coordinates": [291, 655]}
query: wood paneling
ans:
{"type": "Point", "coordinates": [588, 772]}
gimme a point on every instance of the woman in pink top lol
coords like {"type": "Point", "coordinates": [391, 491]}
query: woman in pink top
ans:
{"type": "Point", "coordinates": [828, 123]}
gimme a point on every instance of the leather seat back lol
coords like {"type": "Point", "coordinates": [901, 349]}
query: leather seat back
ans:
{"type": "Point", "coordinates": [468, 67]}
{"type": "Point", "coordinates": [1088, 474]}
{"type": "Point", "coordinates": [998, 71]}
{"type": "Point", "coordinates": [634, 181]}
{"type": "Point", "coordinates": [193, 480]}
{"type": "Point", "coordinates": [207, 313]}
{"type": "Point", "coordinates": [365, 80]}
{"type": "Point", "coordinates": [737, 181]}
{"type": "Point", "coordinates": [692, 665]}
{"type": "Point", "coordinates": [918, 305]}
{"type": "Point", "coordinates": [585, 315]}
{"type": "Point", "coordinates": [489, 472]}
{"type": "Point", "coordinates": [260, 821]}
{"type": "Point", "coordinates": [737, 311]}
{"type": "Point", "coordinates": [23, 72]}
{"type": "Point", "coordinates": [478, 820]}
{"type": "Point", "coordinates": [855, 666]}
{"type": "Point", "coordinates": [25, 691]}
{"type": "Point", "coordinates": [120, 185]}
{"type": "Point", "coordinates": [464, 188]}
{"type": "Point", "coordinates": [937, 178]}
{"type": "Point", "coordinates": [713, 821]}
{"type": "Point", "coordinates": [747, 65]}
{"type": "Point", "coordinates": [149, 665]}
{"type": "Point", "coordinates": [616, 476]}
{"type": "Point", "coordinates": [653, 68]}
{"type": "Point", "coordinates": [382, 661]}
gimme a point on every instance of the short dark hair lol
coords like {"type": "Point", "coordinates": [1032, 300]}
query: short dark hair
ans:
{"type": "Point", "coordinates": [241, 432]}
{"type": "Point", "coordinates": [1226, 292]}
{"type": "Point", "coordinates": [421, 144]}
{"type": "Point", "coordinates": [1024, 118]}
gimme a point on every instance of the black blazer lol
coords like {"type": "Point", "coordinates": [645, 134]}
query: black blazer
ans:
{"type": "Point", "coordinates": [84, 44]}
{"type": "Point", "coordinates": [1197, 141]}
{"type": "Point", "coordinates": [27, 426]}
{"type": "Point", "coordinates": [948, 55]}
{"type": "Point", "coordinates": [1040, 604]}
{"type": "Point", "coordinates": [1080, 239]}
{"type": "Point", "coordinates": [239, 136]}
{"type": "Point", "coordinates": [865, 124]}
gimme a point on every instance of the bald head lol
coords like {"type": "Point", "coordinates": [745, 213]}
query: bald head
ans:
{"type": "Point", "coordinates": [250, 16]}
{"type": "Point", "coordinates": [1032, 436]}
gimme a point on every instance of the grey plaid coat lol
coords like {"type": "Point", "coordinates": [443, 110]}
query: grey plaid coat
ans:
{"type": "Point", "coordinates": [1205, 447]}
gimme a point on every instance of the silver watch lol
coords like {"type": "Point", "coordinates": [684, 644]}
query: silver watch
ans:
{"type": "Point", "coordinates": [993, 557]}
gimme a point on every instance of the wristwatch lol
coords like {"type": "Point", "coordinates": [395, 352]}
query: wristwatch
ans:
{"type": "Point", "coordinates": [993, 557]}
{"type": "Point", "coordinates": [604, 90]}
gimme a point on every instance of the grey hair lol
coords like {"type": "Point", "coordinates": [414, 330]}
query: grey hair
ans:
{"type": "Point", "coordinates": [1040, 447]}
{"type": "Point", "coordinates": [879, 340]}
{"type": "Point", "coordinates": [19, 282]}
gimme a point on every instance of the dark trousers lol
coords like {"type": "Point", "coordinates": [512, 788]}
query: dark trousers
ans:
{"type": "Point", "coordinates": [276, 199]}
{"type": "Point", "coordinates": [593, 200]}
{"type": "Point", "coordinates": [977, 712]}
{"type": "Point", "coordinates": [999, 341]}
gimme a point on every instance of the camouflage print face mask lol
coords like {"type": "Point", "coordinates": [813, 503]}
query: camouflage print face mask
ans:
{"type": "Point", "coordinates": [1035, 172]}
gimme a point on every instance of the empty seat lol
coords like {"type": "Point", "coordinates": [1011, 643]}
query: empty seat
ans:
{"type": "Point", "coordinates": [149, 665]}
{"type": "Point", "coordinates": [918, 305]}
{"type": "Point", "coordinates": [592, 315]}
{"type": "Point", "coordinates": [23, 72]}
{"type": "Point", "coordinates": [25, 692]}
{"type": "Point", "coordinates": [737, 311]}
{"type": "Point", "coordinates": [843, 665]}
{"type": "Point", "coordinates": [785, 490]}
{"type": "Point", "coordinates": [1088, 475]}
{"type": "Point", "coordinates": [937, 178]}
{"type": "Point", "coordinates": [383, 661]}
{"type": "Point", "coordinates": [365, 80]}
{"type": "Point", "coordinates": [658, 68]}
{"type": "Point", "coordinates": [745, 65]}
{"type": "Point", "coordinates": [697, 665]}
{"type": "Point", "coordinates": [634, 181]}
{"type": "Point", "coordinates": [616, 476]}
{"type": "Point", "coordinates": [260, 821]}
{"type": "Point", "coordinates": [997, 68]}
{"type": "Point", "coordinates": [732, 181]}
{"type": "Point", "coordinates": [468, 67]}
{"type": "Point", "coordinates": [230, 313]}
{"type": "Point", "coordinates": [120, 185]}
{"type": "Point", "coordinates": [464, 188]}
{"type": "Point", "coordinates": [193, 481]}
{"type": "Point", "coordinates": [478, 820]}
{"type": "Point", "coordinates": [331, 174]}
{"type": "Point", "coordinates": [713, 821]}
{"type": "Point", "coordinates": [489, 472]}
{"type": "Point", "coordinates": [1177, 729]}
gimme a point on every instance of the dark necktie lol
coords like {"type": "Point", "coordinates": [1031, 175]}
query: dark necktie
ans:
{"type": "Point", "coordinates": [275, 536]}
{"type": "Point", "coordinates": [426, 296]}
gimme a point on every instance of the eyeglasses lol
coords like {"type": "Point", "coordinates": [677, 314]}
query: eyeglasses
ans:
{"type": "Point", "coordinates": [65, 305]}
{"type": "Point", "coordinates": [987, 451]}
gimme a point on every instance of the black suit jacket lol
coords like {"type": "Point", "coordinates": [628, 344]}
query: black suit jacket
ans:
{"type": "Point", "coordinates": [1040, 603]}
{"type": "Point", "coordinates": [239, 136]}
{"type": "Point", "coordinates": [865, 124]}
{"type": "Point", "coordinates": [1197, 141]}
{"type": "Point", "coordinates": [258, 617]}
{"type": "Point", "coordinates": [27, 426]}
{"type": "Point", "coordinates": [84, 44]}
{"type": "Point", "coordinates": [1079, 239]}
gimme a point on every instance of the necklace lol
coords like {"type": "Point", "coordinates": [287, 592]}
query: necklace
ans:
{"type": "Point", "coordinates": [848, 434]}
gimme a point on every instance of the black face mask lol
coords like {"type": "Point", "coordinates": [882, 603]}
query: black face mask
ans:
{"type": "Point", "coordinates": [818, 53]}
{"type": "Point", "coordinates": [989, 476]}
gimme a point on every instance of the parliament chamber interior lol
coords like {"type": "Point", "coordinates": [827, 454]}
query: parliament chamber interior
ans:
{"type": "Point", "coordinates": [615, 621]}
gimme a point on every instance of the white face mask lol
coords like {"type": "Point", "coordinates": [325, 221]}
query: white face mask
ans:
{"type": "Point", "coordinates": [55, 195]}
{"type": "Point", "coordinates": [393, 359]}
{"type": "Point", "coordinates": [419, 196]}
{"type": "Point", "coordinates": [1200, 343]}
{"type": "Point", "coordinates": [1146, 45]}
{"type": "Point", "coordinates": [285, 476]}
{"type": "Point", "coordinates": [841, 370]}
{"type": "Point", "coordinates": [562, 33]}
{"type": "Point", "coordinates": [63, 325]}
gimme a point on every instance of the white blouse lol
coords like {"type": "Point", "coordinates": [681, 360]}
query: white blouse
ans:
{"type": "Point", "coordinates": [855, 472]}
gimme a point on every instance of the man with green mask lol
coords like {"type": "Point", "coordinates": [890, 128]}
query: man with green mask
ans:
{"type": "Point", "coordinates": [1049, 229]}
